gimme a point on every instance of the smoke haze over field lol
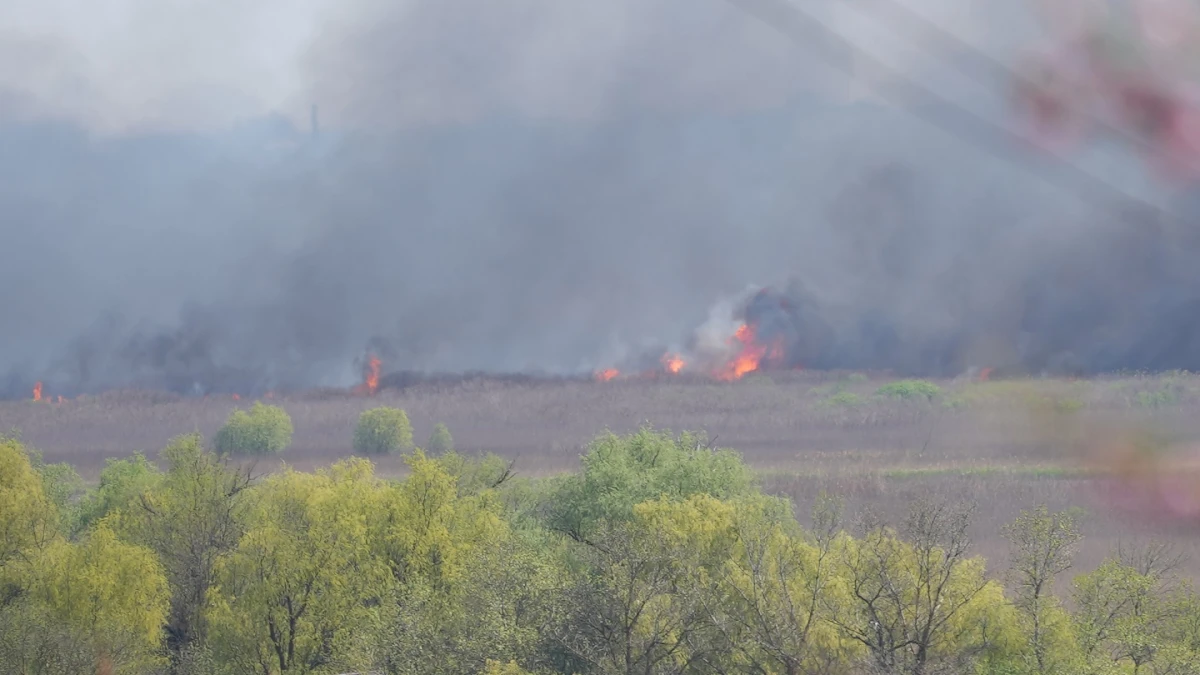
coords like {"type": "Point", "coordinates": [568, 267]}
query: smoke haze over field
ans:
{"type": "Point", "coordinates": [527, 185]}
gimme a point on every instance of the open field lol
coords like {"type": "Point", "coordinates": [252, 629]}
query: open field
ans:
{"type": "Point", "coordinates": [804, 432]}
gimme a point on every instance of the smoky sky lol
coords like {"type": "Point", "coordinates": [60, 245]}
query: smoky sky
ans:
{"type": "Point", "coordinates": [517, 186]}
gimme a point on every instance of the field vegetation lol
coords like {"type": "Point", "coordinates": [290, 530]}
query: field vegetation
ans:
{"type": "Point", "coordinates": [262, 430]}
{"type": "Point", "coordinates": [831, 523]}
{"type": "Point", "coordinates": [381, 431]}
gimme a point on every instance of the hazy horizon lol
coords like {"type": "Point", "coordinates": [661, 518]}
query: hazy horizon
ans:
{"type": "Point", "coordinates": [528, 185]}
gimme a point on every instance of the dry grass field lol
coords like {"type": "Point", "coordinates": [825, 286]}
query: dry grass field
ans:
{"type": "Point", "coordinates": [878, 443]}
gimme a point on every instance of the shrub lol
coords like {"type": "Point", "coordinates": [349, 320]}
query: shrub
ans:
{"type": "Point", "coordinates": [382, 430]}
{"type": "Point", "coordinates": [264, 430]}
{"type": "Point", "coordinates": [1156, 399]}
{"type": "Point", "coordinates": [955, 402]}
{"type": "Point", "coordinates": [440, 441]}
{"type": "Point", "coordinates": [910, 390]}
{"type": "Point", "coordinates": [844, 399]}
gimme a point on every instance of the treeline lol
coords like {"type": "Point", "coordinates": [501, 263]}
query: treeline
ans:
{"type": "Point", "coordinates": [659, 556]}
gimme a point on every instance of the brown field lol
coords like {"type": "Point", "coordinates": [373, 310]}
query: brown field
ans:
{"type": "Point", "coordinates": [989, 441]}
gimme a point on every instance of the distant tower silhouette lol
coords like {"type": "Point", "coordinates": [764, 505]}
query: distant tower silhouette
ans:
{"type": "Point", "coordinates": [313, 123]}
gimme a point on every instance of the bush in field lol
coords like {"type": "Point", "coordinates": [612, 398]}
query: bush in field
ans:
{"type": "Point", "coordinates": [910, 390]}
{"type": "Point", "coordinates": [381, 431]}
{"type": "Point", "coordinates": [845, 399]}
{"type": "Point", "coordinates": [264, 430]}
{"type": "Point", "coordinates": [440, 441]}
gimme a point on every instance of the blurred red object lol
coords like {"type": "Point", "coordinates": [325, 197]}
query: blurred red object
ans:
{"type": "Point", "coordinates": [1135, 74]}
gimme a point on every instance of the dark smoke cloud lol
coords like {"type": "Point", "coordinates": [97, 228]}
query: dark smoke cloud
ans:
{"type": "Point", "coordinates": [1122, 299]}
{"type": "Point", "coordinates": [545, 186]}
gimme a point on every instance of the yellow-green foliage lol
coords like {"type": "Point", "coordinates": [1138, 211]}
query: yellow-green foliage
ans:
{"type": "Point", "coordinates": [440, 441]}
{"type": "Point", "coordinates": [113, 593]}
{"type": "Point", "coordinates": [476, 475]}
{"type": "Point", "coordinates": [753, 562]}
{"type": "Point", "coordinates": [34, 641]}
{"type": "Point", "coordinates": [500, 609]}
{"type": "Point", "coordinates": [498, 668]}
{"type": "Point", "coordinates": [382, 430]}
{"type": "Point", "coordinates": [661, 556]}
{"type": "Point", "coordinates": [1126, 612]}
{"type": "Point", "coordinates": [1056, 641]}
{"type": "Point", "coordinates": [622, 471]}
{"type": "Point", "coordinates": [426, 531]}
{"type": "Point", "coordinates": [295, 593]}
{"type": "Point", "coordinates": [122, 482]}
{"type": "Point", "coordinates": [264, 430]}
{"type": "Point", "coordinates": [190, 516]}
{"type": "Point", "coordinates": [27, 516]}
{"type": "Point", "coordinates": [921, 596]}
{"type": "Point", "coordinates": [844, 399]}
{"type": "Point", "coordinates": [910, 390]}
{"type": "Point", "coordinates": [1052, 397]}
{"type": "Point", "coordinates": [468, 590]}
{"type": "Point", "coordinates": [61, 485]}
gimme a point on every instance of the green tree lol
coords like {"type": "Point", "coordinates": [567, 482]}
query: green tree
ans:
{"type": "Point", "coordinates": [921, 601]}
{"type": "Point", "coordinates": [440, 441]}
{"type": "Point", "coordinates": [33, 641]}
{"type": "Point", "coordinates": [382, 430]}
{"type": "Point", "coordinates": [190, 518]}
{"type": "Point", "coordinates": [628, 614]}
{"type": "Point", "coordinates": [121, 486]}
{"type": "Point", "coordinates": [507, 605]}
{"type": "Point", "coordinates": [468, 588]}
{"type": "Point", "coordinates": [426, 531]}
{"type": "Point", "coordinates": [1180, 636]}
{"type": "Point", "coordinates": [1124, 609]}
{"type": "Point", "coordinates": [297, 594]}
{"type": "Point", "coordinates": [477, 475]}
{"type": "Point", "coordinates": [112, 593]}
{"type": "Point", "coordinates": [62, 485]}
{"type": "Point", "coordinates": [778, 587]}
{"type": "Point", "coordinates": [1042, 546]}
{"type": "Point", "coordinates": [28, 517]}
{"type": "Point", "coordinates": [264, 430]}
{"type": "Point", "coordinates": [760, 584]}
{"type": "Point", "coordinates": [622, 471]}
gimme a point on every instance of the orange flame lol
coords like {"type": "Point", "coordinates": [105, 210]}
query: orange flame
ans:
{"type": "Point", "coordinates": [985, 374]}
{"type": "Point", "coordinates": [750, 355]}
{"type": "Point", "coordinates": [37, 391]}
{"type": "Point", "coordinates": [61, 399]}
{"type": "Point", "coordinates": [237, 397]}
{"type": "Point", "coordinates": [372, 382]}
{"type": "Point", "coordinates": [270, 395]}
{"type": "Point", "coordinates": [607, 374]}
{"type": "Point", "coordinates": [673, 363]}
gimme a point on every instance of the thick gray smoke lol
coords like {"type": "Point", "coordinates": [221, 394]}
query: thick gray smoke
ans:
{"type": "Point", "coordinates": [547, 186]}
